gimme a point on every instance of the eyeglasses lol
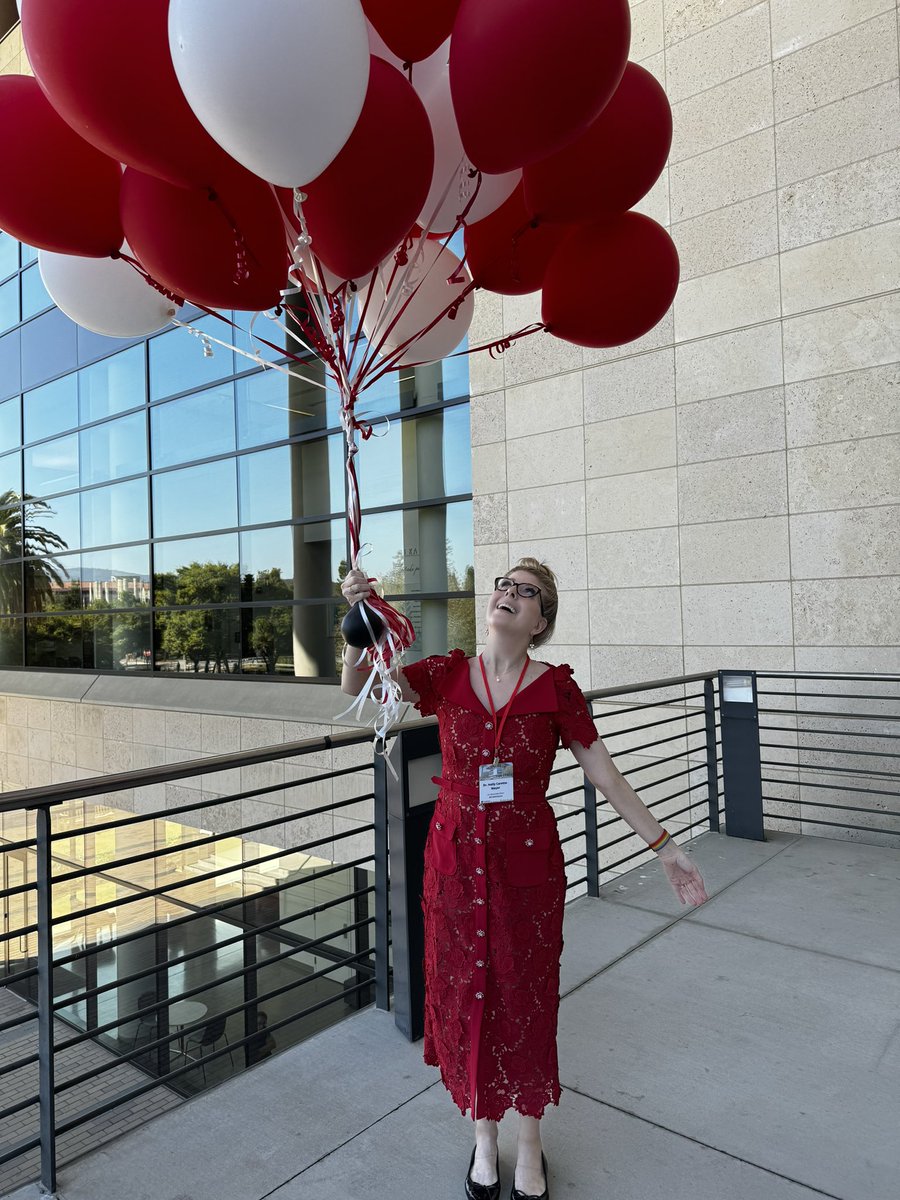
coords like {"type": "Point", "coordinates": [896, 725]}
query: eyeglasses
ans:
{"type": "Point", "coordinates": [528, 591]}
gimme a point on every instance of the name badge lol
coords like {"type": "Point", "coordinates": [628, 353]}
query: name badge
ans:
{"type": "Point", "coordinates": [495, 782]}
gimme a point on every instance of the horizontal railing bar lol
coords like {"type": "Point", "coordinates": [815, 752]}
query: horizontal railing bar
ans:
{"type": "Point", "coordinates": [194, 1026]}
{"type": "Point", "coordinates": [826, 770]}
{"type": "Point", "coordinates": [203, 987]}
{"type": "Point", "coordinates": [861, 677]}
{"type": "Point", "coordinates": [653, 724]}
{"type": "Point", "coordinates": [632, 708]}
{"type": "Point", "coordinates": [830, 695]}
{"type": "Point", "coordinates": [178, 884]}
{"type": "Point", "coordinates": [166, 814]}
{"type": "Point", "coordinates": [662, 800]}
{"type": "Point", "coordinates": [207, 840]}
{"type": "Point", "coordinates": [16, 1065]}
{"type": "Point", "coordinates": [243, 936]}
{"type": "Point", "coordinates": [21, 1148]}
{"type": "Point", "coordinates": [831, 824]}
{"type": "Point", "coordinates": [854, 733]}
{"type": "Point", "coordinates": [562, 770]}
{"type": "Point", "coordinates": [672, 681]}
{"type": "Point", "coordinates": [834, 787]}
{"type": "Point", "coordinates": [662, 742]}
{"type": "Point", "coordinates": [570, 862]}
{"type": "Point", "coordinates": [846, 716]}
{"type": "Point", "coordinates": [210, 911]}
{"type": "Point", "coordinates": [827, 750]}
{"type": "Point", "coordinates": [567, 816]}
{"type": "Point", "coordinates": [56, 793]}
{"type": "Point", "coordinates": [875, 812]}
{"type": "Point", "coordinates": [571, 837]}
{"type": "Point", "coordinates": [579, 787]}
{"type": "Point", "coordinates": [23, 1018]}
{"type": "Point", "coordinates": [575, 882]}
{"type": "Point", "coordinates": [655, 762]}
{"type": "Point", "coordinates": [163, 1080]}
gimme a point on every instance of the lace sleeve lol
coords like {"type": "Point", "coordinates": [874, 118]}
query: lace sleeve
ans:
{"type": "Point", "coordinates": [423, 677]}
{"type": "Point", "coordinates": [573, 718]}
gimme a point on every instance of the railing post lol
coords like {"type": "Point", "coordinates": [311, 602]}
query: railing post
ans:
{"type": "Point", "coordinates": [46, 1065]}
{"type": "Point", "coordinates": [591, 843]}
{"type": "Point", "coordinates": [382, 899]}
{"type": "Point", "coordinates": [712, 766]}
{"type": "Point", "coordinates": [742, 772]}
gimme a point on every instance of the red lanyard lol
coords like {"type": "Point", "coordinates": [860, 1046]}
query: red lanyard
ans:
{"type": "Point", "coordinates": [498, 725]}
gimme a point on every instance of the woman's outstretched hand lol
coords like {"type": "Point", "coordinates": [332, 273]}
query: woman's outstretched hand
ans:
{"type": "Point", "coordinates": [355, 587]}
{"type": "Point", "coordinates": [686, 880]}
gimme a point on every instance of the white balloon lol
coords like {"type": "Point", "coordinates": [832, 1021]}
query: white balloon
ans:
{"type": "Point", "coordinates": [279, 84]}
{"type": "Point", "coordinates": [451, 184]}
{"type": "Point", "coordinates": [379, 47]}
{"type": "Point", "coordinates": [433, 268]}
{"type": "Point", "coordinates": [104, 295]}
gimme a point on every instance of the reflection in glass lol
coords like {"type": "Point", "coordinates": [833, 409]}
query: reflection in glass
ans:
{"type": "Point", "coordinates": [29, 254]}
{"type": "Point", "coordinates": [440, 625]}
{"type": "Point", "coordinates": [10, 425]}
{"type": "Point", "coordinates": [117, 641]}
{"type": "Point", "coordinates": [10, 587]}
{"type": "Point", "coordinates": [47, 519]}
{"type": "Point", "coordinates": [10, 642]}
{"type": "Point", "coordinates": [35, 297]}
{"type": "Point", "coordinates": [113, 449]}
{"type": "Point", "coordinates": [48, 587]}
{"type": "Point", "coordinates": [54, 641]}
{"type": "Point", "coordinates": [317, 638]}
{"type": "Point", "coordinates": [9, 255]}
{"type": "Point", "coordinates": [419, 458]}
{"type": "Point", "coordinates": [51, 409]}
{"type": "Point", "coordinates": [196, 570]}
{"type": "Point", "coordinates": [45, 576]}
{"type": "Point", "coordinates": [201, 641]}
{"type": "Point", "coordinates": [112, 385]}
{"type": "Point", "coordinates": [265, 485]}
{"type": "Point", "coordinates": [199, 426]}
{"type": "Point", "coordinates": [195, 499]}
{"type": "Point", "coordinates": [299, 562]}
{"type": "Point", "coordinates": [421, 549]}
{"type": "Point", "coordinates": [115, 578]}
{"type": "Point", "coordinates": [178, 364]}
{"type": "Point", "coordinates": [52, 466]}
{"type": "Point", "coordinates": [268, 640]}
{"type": "Point", "coordinates": [117, 513]}
{"type": "Point", "coordinates": [9, 304]}
{"type": "Point", "coordinates": [10, 477]}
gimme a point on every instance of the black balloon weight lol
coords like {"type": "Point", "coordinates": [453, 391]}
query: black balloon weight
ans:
{"type": "Point", "coordinates": [354, 629]}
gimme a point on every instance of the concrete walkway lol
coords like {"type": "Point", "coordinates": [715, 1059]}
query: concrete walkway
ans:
{"type": "Point", "coordinates": [747, 1049]}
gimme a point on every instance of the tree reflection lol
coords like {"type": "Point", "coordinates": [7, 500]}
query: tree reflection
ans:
{"type": "Point", "coordinates": [22, 537]}
{"type": "Point", "coordinates": [194, 635]}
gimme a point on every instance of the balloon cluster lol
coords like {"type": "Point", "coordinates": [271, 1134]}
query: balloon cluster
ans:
{"type": "Point", "coordinates": [319, 155]}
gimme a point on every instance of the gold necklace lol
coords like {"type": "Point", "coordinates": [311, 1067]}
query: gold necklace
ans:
{"type": "Point", "coordinates": [499, 678]}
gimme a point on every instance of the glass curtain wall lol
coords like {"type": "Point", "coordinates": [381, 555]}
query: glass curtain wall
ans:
{"type": "Point", "coordinates": [166, 510]}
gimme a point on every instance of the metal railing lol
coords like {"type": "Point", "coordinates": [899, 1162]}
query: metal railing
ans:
{"type": "Point", "coordinates": [691, 746]}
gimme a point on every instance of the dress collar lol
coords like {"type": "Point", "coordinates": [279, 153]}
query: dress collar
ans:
{"type": "Point", "coordinates": [537, 696]}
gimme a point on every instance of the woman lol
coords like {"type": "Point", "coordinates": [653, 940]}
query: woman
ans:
{"type": "Point", "coordinates": [495, 883]}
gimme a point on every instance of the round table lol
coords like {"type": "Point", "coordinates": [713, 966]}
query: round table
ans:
{"type": "Point", "coordinates": [186, 1012]}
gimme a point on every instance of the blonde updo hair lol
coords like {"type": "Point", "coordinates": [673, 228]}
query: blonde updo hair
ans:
{"type": "Point", "coordinates": [549, 595]}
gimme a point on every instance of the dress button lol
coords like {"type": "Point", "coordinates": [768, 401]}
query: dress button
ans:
{"type": "Point", "coordinates": [529, 841]}
{"type": "Point", "coordinates": [478, 900]}
{"type": "Point", "coordinates": [479, 995]}
{"type": "Point", "coordinates": [479, 841]}
{"type": "Point", "coordinates": [438, 825]}
{"type": "Point", "coordinates": [479, 962]}
{"type": "Point", "coordinates": [481, 808]}
{"type": "Point", "coordinates": [489, 724]}
{"type": "Point", "coordinates": [479, 870]}
{"type": "Point", "coordinates": [485, 754]}
{"type": "Point", "coordinates": [480, 932]}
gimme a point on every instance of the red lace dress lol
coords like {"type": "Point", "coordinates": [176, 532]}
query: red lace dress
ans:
{"type": "Point", "coordinates": [494, 891]}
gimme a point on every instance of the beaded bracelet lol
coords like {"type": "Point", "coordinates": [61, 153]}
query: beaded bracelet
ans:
{"type": "Point", "coordinates": [664, 838]}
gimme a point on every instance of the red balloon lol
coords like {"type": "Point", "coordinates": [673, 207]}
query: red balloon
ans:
{"type": "Point", "coordinates": [58, 192]}
{"type": "Point", "coordinates": [614, 163]}
{"type": "Point", "coordinates": [221, 250]}
{"type": "Point", "coordinates": [507, 252]}
{"type": "Point", "coordinates": [107, 70]}
{"type": "Point", "coordinates": [410, 28]}
{"type": "Point", "coordinates": [529, 76]}
{"type": "Point", "coordinates": [367, 199]}
{"type": "Point", "coordinates": [610, 282]}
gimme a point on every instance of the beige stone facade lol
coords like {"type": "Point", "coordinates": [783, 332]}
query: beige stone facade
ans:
{"type": "Point", "coordinates": [726, 491]}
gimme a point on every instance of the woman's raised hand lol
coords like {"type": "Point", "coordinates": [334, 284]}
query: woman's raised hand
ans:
{"type": "Point", "coordinates": [355, 587]}
{"type": "Point", "coordinates": [686, 880]}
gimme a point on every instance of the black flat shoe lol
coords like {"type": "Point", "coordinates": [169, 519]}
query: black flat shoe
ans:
{"type": "Point", "coordinates": [482, 1191]}
{"type": "Point", "coordinates": [515, 1194]}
